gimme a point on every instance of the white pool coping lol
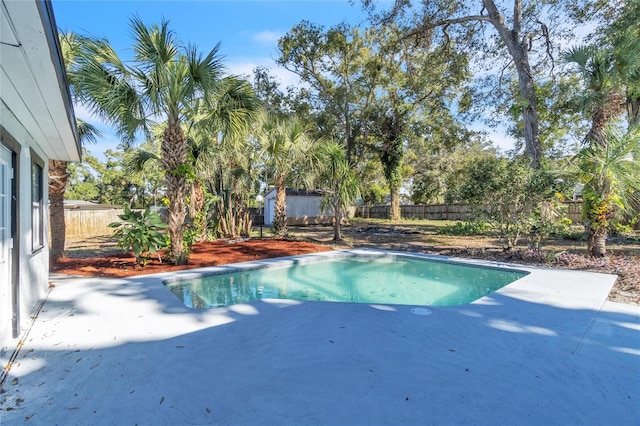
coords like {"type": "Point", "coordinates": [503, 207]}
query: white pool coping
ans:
{"type": "Point", "coordinates": [546, 349]}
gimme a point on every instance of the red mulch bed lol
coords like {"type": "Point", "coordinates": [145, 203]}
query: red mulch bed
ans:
{"type": "Point", "coordinates": [208, 253]}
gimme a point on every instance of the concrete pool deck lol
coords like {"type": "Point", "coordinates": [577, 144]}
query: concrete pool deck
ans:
{"type": "Point", "coordinates": [547, 349]}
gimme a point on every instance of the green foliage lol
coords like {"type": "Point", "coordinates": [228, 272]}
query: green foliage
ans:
{"type": "Point", "coordinates": [184, 170]}
{"type": "Point", "coordinates": [548, 218]}
{"type": "Point", "coordinates": [473, 227]}
{"type": "Point", "coordinates": [513, 198]}
{"type": "Point", "coordinates": [621, 230]}
{"type": "Point", "coordinates": [373, 194]}
{"type": "Point", "coordinates": [611, 177]}
{"type": "Point", "coordinates": [190, 235]}
{"type": "Point", "coordinates": [140, 232]}
{"type": "Point", "coordinates": [437, 167]}
{"type": "Point", "coordinates": [340, 184]}
{"type": "Point", "coordinates": [574, 233]}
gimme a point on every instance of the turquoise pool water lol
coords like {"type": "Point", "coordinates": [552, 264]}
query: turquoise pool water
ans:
{"type": "Point", "coordinates": [362, 279]}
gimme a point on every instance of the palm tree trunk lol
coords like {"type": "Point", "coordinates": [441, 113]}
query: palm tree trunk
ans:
{"type": "Point", "coordinates": [223, 229]}
{"type": "Point", "coordinates": [597, 242]}
{"type": "Point", "coordinates": [602, 115]}
{"type": "Point", "coordinates": [634, 110]}
{"type": "Point", "coordinates": [58, 178]}
{"type": "Point", "coordinates": [337, 220]}
{"type": "Point", "coordinates": [197, 199]}
{"type": "Point", "coordinates": [174, 158]}
{"type": "Point", "coordinates": [280, 209]}
{"type": "Point", "coordinates": [197, 215]}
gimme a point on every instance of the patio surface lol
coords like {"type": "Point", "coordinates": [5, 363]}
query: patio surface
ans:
{"type": "Point", "coordinates": [547, 349]}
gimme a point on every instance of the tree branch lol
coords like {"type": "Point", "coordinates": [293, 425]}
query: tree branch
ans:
{"type": "Point", "coordinates": [447, 22]}
{"type": "Point", "coordinates": [517, 16]}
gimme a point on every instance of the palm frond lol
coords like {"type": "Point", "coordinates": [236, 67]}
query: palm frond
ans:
{"type": "Point", "coordinates": [138, 158]}
{"type": "Point", "coordinates": [87, 132]}
{"type": "Point", "coordinates": [154, 45]}
{"type": "Point", "coordinates": [205, 70]}
{"type": "Point", "coordinates": [613, 169]}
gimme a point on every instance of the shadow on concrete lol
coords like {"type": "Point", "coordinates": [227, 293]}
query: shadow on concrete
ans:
{"type": "Point", "coordinates": [125, 352]}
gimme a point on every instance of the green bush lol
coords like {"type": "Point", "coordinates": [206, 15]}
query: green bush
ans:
{"type": "Point", "coordinates": [475, 227]}
{"type": "Point", "coordinates": [511, 197]}
{"type": "Point", "coordinates": [547, 218]}
{"type": "Point", "coordinates": [621, 230]}
{"type": "Point", "coordinates": [574, 233]}
{"type": "Point", "coordinates": [140, 232]}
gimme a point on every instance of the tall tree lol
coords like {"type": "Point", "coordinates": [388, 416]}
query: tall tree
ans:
{"type": "Point", "coordinates": [332, 62]}
{"type": "Point", "coordinates": [70, 45]}
{"type": "Point", "coordinates": [340, 184]}
{"type": "Point", "coordinates": [610, 75]}
{"type": "Point", "coordinates": [610, 171]}
{"type": "Point", "coordinates": [58, 181]}
{"type": "Point", "coordinates": [413, 97]}
{"type": "Point", "coordinates": [163, 81]}
{"type": "Point", "coordinates": [518, 31]}
{"type": "Point", "coordinates": [290, 156]}
{"type": "Point", "coordinates": [374, 89]}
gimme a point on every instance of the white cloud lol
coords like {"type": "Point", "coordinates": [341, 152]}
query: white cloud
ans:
{"type": "Point", "coordinates": [245, 66]}
{"type": "Point", "coordinates": [267, 37]}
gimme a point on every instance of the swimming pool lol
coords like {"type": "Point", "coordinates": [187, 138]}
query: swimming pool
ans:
{"type": "Point", "coordinates": [402, 279]}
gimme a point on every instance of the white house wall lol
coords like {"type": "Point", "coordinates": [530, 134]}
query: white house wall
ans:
{"type": "Point", "coordinates": [38, 121]}
{"type": "Point", "coordinates": [33, 273]}
{"type": "Point", "coordinates": [300, 209]}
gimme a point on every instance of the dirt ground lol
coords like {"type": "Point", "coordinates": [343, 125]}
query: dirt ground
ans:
{"type": "Point", "coordinates": [100, 257]}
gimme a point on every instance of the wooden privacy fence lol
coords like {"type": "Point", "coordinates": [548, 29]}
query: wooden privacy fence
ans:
{"type": "Point", "coordinates": [82, 224]}
{"type": "Point", "coordinates": [453, 212]}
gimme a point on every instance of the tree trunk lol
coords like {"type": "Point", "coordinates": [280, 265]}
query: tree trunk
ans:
{"type": "Point", "coordinates": [280, 209]}
{"type": "Point", "coordinates": [394, 214]}
{"type": "Point", "coordinates": [611, 108]}
{"type": "Point", "coordinates": [58, 178]}
{"type": "Point", "coordinates": [197, 214]}
{"type": "Point", "coordinates": [597, 240]}
{"type": "Point", "coordinates": [634, 111]}
{"type": "Point", "coordinates": [174, 159]}
{"type": "Point", "coordinates": [337, 219]}
{"type": "Point", "coordinates": [223, 229]}
{"type": "Point", "coordinates": [197, 199]}
{"type": "Point", "coordinates": [518, 50]}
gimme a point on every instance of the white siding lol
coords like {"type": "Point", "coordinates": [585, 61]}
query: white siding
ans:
{"type": "Point", "coordinates": [33, 273]}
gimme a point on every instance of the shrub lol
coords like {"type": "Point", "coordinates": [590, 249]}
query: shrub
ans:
{"type": "Point", "coordinates": [547, 219]}
{"type": "Point", "coordinates": [475, 227]}
{"type": "Point", "coordinates": [621, 230]}
{"type": "Point", "coordinates": [511, 197]}
{"type": "Point", "coordinates": [139, 232]}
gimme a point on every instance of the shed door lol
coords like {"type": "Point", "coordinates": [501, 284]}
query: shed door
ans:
{"type": "Point", "coordinates": [6, 245]}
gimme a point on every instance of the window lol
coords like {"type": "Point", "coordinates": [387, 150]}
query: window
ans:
{"type": "Point", "coordinates": [37, 207]}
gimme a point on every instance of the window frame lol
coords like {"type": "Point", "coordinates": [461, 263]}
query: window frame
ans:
{"type": "Point", "coordinates": [37, 203]}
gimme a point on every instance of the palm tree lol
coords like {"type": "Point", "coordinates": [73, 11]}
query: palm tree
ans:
{"type": "Point", "coordinates": [289, 155]}
{"type": "Point", "coordinates": [607, 72]}
{"type": "Point", "coordinates": [58, 180]}
{"type": "Point", "coordinates": [164, 83]}
{"type": "Point", "coordinates": [610, 172]}
{"type": "Point", "coordinates": [70, 45]}
{"type": "Point", "coordinates": [340, 184]}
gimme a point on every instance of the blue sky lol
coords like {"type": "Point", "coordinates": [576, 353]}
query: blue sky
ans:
{"type": "Point", "coordinates": [248, 30]}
